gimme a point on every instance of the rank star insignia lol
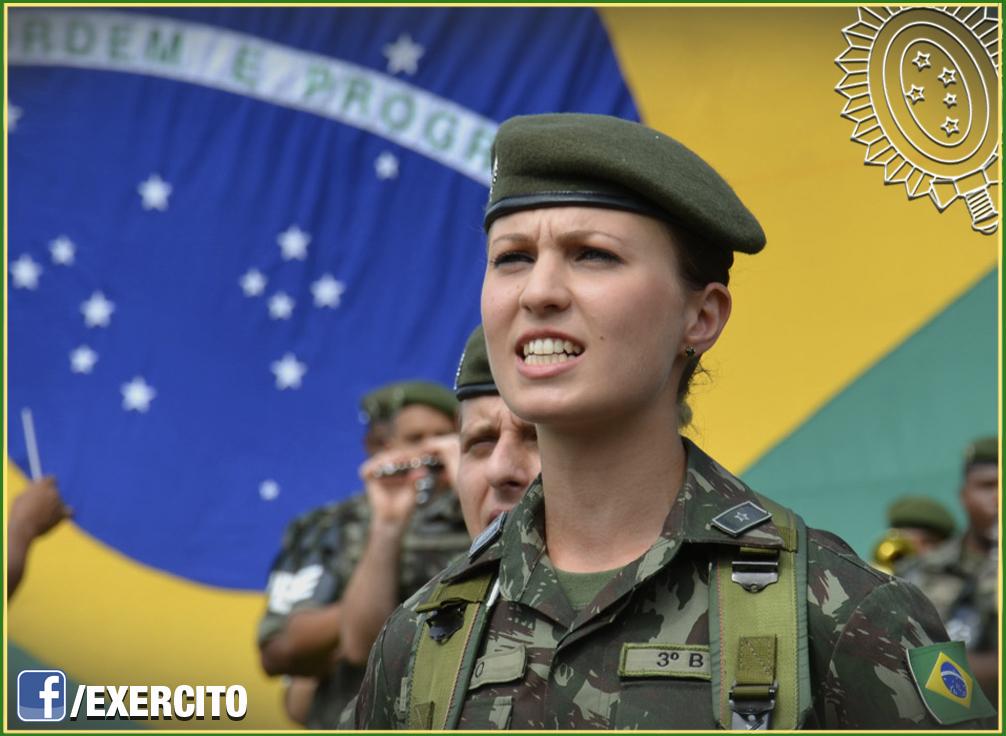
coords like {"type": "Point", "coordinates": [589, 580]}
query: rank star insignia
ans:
{"type": "Point", "coordinates": [921, 60]}
{"type": "Point", "coordinates": [740, 518]}
{"type": "Point", "coordinates": [915, 94]}
{"type": "Point", "coordinates": [950, 126]}
{"type": "Point", "coordinates": [948, 77]}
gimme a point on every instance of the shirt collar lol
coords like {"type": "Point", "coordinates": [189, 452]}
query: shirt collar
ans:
{"type": "Point", "coordinates": [708, 490]}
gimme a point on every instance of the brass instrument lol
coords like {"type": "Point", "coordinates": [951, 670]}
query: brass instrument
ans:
{"type": "Point", "coordinates": [891, 549]}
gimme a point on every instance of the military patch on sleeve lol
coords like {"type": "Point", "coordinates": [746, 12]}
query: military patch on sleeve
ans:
{"type": "Point", "coordinates": [947, 687]}
{"type": "Point", "coordinates": [737, 520]}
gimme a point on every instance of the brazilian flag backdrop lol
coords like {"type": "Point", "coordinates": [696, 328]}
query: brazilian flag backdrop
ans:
{"type": "Point", "coordinates": [226, 224]}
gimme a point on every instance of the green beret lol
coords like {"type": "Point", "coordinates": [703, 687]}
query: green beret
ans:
{"type": "Point", "coordinates": [984, 450]}
{"type": "Point", "coordinates": [474, 378]}
{"type": "Point", "coordinates": [922, 512]}
{"type": "Point", "coordinates": [382, 404]}
{"type": "Point", "coordinates": [602, 161]}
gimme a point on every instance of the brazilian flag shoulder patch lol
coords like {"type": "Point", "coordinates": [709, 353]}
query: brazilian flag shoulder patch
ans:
{"type": "Point", "coordinates": [946, 685]}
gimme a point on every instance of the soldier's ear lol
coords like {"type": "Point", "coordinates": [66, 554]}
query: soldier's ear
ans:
{"type": "Point", "coordinates": [707, 314]}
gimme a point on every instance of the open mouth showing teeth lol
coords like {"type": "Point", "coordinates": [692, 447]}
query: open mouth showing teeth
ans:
{"type": "Point", "coordinates": [546, 351]}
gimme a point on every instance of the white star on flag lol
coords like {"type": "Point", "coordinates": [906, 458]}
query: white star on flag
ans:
{"type": "Point", "coordinates": [62, 250]}
{"type": "Point", "coordinates": [288, 371]}
{"type": "Point", "coordinates": [403, 55]}
{"type": "Point", "coordinates": [293, 242]}
{"type": "Point", "coordinates": [386, 166]}
{"type": "Point", "coordinates": [82, 359]}
{"type": "Point", "coordinates": [253, 283]}
{"type": "Point", "coordinates": [327, 291]}
{"type": "Point", "coordinates": [137, 395]}
{"type": "Point", "coordinates": [155, 192]}
{"type": "Point", "coordinates": [97, 310]}
{"type": "Point", "coordinates": [14, 114]}
{"type": "Point", "coordinates": [280, 306]}
{"type": "Point", "coordinates": [25, 272]}
{"type": "Point", "coordinates": [268, 490]}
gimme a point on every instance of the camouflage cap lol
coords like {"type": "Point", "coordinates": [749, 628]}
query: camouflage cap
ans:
{"type": "Point", "coordinates": [383, 403]}
{"type": "Point", "coordinates": [920, 512]}
{"type": "Point", "coordinates": [983, 450]}
{"type": "Point", "coordinates": [602, 161]}
{"type": "Point", "coordinates": [474, 378]}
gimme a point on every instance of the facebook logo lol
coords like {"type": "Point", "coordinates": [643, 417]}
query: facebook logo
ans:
{"type": "Point", "coordinates": [41, 695]}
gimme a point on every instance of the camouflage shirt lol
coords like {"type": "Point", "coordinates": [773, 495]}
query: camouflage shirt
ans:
{"type": "Point", "coordinates": [543, 665]}
{"type": "Point", "coordinates": [962, 586]}
{"type": "Point", "coordinates": [320, 551]}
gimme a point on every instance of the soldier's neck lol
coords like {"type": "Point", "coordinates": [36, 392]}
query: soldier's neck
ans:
{"type": "Point", "coordinates": [608, 491]}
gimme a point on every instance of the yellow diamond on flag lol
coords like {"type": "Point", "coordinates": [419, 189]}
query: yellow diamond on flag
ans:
{"type": "Point", "coordinates": [950, 680]}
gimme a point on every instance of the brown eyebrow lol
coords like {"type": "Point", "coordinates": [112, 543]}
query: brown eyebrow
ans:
{"type": "Point", "coordinates": [518, 238]}
{"type": "Point", "coordinates": [567, 237]}
{"type": "Point", "coordinates": [480, 429]}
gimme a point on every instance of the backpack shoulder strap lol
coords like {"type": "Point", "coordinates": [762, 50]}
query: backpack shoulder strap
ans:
{"type": "Point", "coordinates": [758, 630]}
{"type": "Point", "coordinates": [450, 631]}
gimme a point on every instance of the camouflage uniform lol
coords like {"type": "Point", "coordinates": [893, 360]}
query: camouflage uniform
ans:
{"type": "Point", "coordinates": [962, 587]}
{"type": "Point", "coordinates": [543, 665]}
{"type": "Point", "coordinates": [320, 551]}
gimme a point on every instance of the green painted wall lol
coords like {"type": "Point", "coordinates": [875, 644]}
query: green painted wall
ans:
{"type": "Point", "coordinates": [899, 428]}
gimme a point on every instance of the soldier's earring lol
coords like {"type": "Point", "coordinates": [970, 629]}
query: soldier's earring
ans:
{"type": "Point", "coordinates": [689, 351]}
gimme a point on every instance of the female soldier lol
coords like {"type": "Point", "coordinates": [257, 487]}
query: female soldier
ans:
{"type": "Point", "coordinates": [638, 584]}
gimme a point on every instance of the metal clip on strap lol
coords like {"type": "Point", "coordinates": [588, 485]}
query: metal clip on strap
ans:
{"type": "Point", "coordinates": [752, 697]}
{"type": "Point", "coordinates": [752, 707]}
{"type": "Point", "coordinates": [754, 569]}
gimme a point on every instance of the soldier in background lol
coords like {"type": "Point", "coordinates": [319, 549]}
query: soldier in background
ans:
{"type": "Point", "coordinates": [345, 567]}
{"type": "Point", "coordinates": [499, 451]}
{"type": "Point", "coordinates": [960, 577]}
{"type": "Point", "coordinates": [915, 525]}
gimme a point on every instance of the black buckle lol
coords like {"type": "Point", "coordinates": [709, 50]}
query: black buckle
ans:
{"type": "Point", "coordinates": [445, 621]}
{"type": "Point", "coordinates": [752, 714]}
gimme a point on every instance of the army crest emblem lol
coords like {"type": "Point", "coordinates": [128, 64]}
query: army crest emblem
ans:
{"type": "Point", "coordinates": [922, 88]}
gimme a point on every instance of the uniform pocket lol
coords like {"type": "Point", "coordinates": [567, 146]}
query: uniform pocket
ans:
{"type": "Point", "coordinates": [488, 707]}
{"type": "Point", "coordinates": [498, 667]}
{"type": "Point", "coordinates": [487, 713]}
{"type": "Point", "coordinates": [664, 686]}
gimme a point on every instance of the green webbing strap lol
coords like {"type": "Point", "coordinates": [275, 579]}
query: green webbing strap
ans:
{"type": "Point", "coordinates": [749, 630]}
{"type": "Point", "coordinates": [442, 670]}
